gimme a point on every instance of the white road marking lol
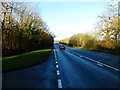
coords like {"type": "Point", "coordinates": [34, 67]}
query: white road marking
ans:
{"type": "Point", "coordinates": [111, 67]}
{"type": "Point", "coordinates": [77, 54]}
{"type": "Point", "coordinates": [102, 63]}
{"type": "Point", "coordinates": [58, 73]}
{"type": "Point", "coordinates": [56, 66]}
{"type": "Point", "coordinates": [99, 64]}
{"type": "Point", "coordinates": [55, 54]}
{"type": "Point", "coordinates": [56, 62]}
{"type": "Point", "coordinates": [80, 56]}
{"type": "Point", "coordinates": [59, 83]}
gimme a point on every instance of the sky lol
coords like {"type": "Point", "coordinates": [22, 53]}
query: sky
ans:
{"type": "Point", "coordinates": [65, 19]}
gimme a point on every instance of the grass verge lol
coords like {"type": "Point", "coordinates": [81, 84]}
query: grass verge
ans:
{"type": "Point", "coordinates": [25, 60]}
{"type": "Point", "coordinates": [115, 52]}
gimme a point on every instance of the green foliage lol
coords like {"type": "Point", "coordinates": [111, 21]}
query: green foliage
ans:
{"type": "Point", "coordinates": [82, 40]}
{"type": "Point", "coordinates": [65, 41]}
{"type": "Point", "coordinates": [23, 29]}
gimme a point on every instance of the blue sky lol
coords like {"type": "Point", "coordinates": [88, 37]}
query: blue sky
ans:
{"type": "Point", "coordinates": [65, 19]}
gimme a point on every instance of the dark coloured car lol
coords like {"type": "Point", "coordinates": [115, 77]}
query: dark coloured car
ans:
{"type": "Point", "coordinates": [61, 47]}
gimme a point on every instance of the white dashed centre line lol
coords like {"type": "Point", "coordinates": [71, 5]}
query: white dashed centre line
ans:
{"type": "Point", "coordinates": [59, 83]}
{"type": "Point", "coordinates": [55, 54]}
{"type": "Point", "coordinates": [58, 73]}
{"type": "Point", "coordinates": [56, 66]}
{"type": "Point", "coordinates": [55, 59]}
{"type": "Point", "coordinates": [56, 62]}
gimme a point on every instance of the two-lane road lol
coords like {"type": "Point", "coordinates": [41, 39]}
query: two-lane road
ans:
{"type": "Point", "coordinates": [70, 68]}
{"type": "Point", "coordinates": [77, 72]}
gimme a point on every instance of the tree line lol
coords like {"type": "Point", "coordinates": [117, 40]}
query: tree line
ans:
{"type": "Point", "coordinates": [22, 29]}
{"type": "Point", "coordinates": [107, 35]}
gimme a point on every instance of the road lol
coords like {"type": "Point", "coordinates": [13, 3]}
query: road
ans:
{"type": "Point", "coordinates": [70, 68]}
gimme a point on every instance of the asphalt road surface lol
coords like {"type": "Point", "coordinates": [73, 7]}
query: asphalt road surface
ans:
{"type": "Point", "coordinates": [70, 68]}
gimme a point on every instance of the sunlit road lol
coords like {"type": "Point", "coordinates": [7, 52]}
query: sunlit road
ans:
{"type": "Point", "coordinates": [70, 68]}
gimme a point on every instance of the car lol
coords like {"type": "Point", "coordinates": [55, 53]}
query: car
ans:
{"type": "Point", "coordinates": [61, 47]}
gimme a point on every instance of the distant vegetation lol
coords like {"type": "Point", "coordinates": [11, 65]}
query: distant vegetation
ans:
{"type": "Point", "coordinates": [107, 35]}
{"type": "Point", "coordinates": [82, 40]}
{"type": "Point", "coordinates": [22, 28]}
{"type": "Point", "coordinates": [64, 41]}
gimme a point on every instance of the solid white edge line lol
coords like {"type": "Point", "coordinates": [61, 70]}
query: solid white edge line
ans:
{"type": "Point", "coordinates": [77, 54]}
{"type": "Point", "coordinates": [102, 63]}
{"type": "Point", "coordinates": [59, 83]}
{"type": "Point", "coordinates": [99, 64]}
{"type": "Point", "coordinates": [80, 56]}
